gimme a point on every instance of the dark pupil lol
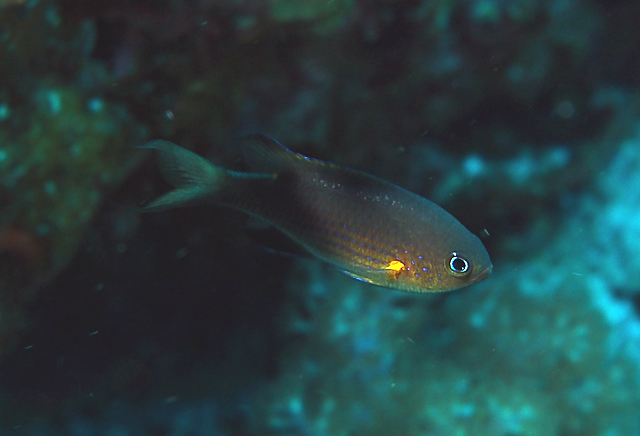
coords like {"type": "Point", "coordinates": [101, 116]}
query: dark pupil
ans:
{"type": "Point", "coordinates": [458, 264]}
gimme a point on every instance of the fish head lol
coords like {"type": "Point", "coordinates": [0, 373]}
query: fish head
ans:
{"type": "Point", "coordinates": [460, 262]}
{"type": "Point", "coordinates": [462, 269]}
{"type": "Point", "coordinates": [442, 267]}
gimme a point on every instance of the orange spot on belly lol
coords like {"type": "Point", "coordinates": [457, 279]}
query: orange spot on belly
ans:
{"type": "Point", "coordinates": [394, 268]}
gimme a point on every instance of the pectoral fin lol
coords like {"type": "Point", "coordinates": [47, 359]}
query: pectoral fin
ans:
{"type": "Point", "coordinates": [358, 277]}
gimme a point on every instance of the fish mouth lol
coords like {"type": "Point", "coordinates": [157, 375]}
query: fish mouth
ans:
{"type": "Point", "coordinates": [484, 273]}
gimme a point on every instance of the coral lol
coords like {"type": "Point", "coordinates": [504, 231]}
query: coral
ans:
{"type": "Point", "coordinates": [613, 222]}
{"type": "Point", "coordinates": [567, 335]}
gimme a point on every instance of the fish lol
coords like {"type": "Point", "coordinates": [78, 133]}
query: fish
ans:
{"type": "Point", "coordinates": [369, 228]}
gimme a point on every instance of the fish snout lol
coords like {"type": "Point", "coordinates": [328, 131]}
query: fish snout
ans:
{"type": "Point", "coordinates": [483, 274]}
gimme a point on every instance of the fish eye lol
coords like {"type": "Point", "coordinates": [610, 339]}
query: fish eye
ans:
{"type": "Point", "coordinates": [458, 265]}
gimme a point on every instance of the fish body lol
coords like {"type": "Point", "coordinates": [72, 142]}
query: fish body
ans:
{"type": "Point", "coordinates": [369, 228]}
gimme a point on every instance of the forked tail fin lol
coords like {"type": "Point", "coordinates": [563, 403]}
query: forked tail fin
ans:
{"type": "Point", "coordinates": [195, 178]}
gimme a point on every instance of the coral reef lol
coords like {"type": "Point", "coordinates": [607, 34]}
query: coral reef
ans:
{"type": "Point", "coordinates": [613, 225]}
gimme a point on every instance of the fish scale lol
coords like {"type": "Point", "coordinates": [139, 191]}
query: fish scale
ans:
{"type": "Point", "coordinates": [371, 229]}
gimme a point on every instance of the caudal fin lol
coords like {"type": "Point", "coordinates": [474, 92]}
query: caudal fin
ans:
{"type": "Point", "coordinates": [195, 178]}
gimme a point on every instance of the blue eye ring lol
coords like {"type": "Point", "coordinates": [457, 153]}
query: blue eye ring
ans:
{"type": "Point", "coordinates": [458, 265]}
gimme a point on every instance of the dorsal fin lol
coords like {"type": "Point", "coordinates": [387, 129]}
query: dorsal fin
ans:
{"type": "Point", "coordinates": [266, 155]}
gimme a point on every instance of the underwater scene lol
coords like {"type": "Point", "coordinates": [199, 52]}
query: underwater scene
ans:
{"type": "Point", "coordinates": [319, 217]}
